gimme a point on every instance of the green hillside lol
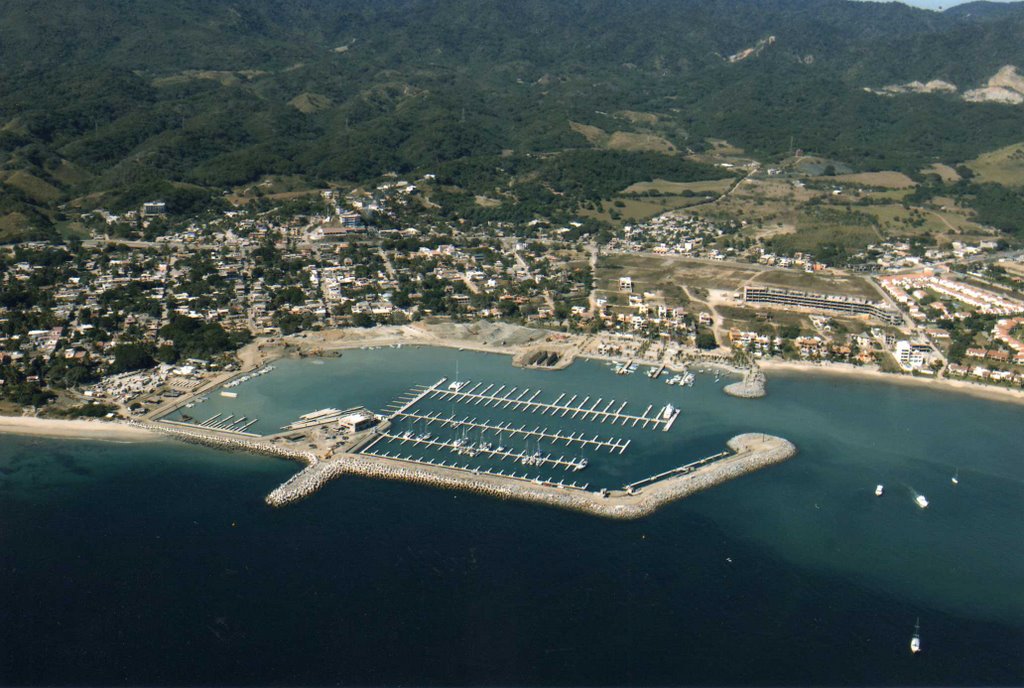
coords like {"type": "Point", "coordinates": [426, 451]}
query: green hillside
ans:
{"type": "Point", "coordinates": [131, 95]}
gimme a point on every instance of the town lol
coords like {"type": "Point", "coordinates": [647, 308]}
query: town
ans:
{"type": "Point", "coordinates": [147, 303]}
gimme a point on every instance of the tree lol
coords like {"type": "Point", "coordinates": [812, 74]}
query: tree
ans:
{"type": "Point", "coordinates": [132, 356]}
{"type": "Point", "coordinates": [706, 340]}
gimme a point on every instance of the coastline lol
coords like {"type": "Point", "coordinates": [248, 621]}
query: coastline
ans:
{"type": "Point", "coordinates": [75, 429]}
{"type": "Point", "coordinates": [423, 336]}
{"type": "Point", "coordinates": [850, 371]}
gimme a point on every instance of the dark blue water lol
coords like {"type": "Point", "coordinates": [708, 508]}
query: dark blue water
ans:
{"type": "Point", "coordinates": [159, 564]}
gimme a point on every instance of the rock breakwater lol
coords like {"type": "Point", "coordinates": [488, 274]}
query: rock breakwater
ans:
{"type": "Point", "coordinates": [252, 446]}
{"type": "Point", "coordinates": [752, 386]}
{"type": "Point", "coordinates": [750, 453]}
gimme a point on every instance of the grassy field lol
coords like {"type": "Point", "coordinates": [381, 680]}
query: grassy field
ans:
{"type": "Point", "coordinates": [887, 180]}
{"type": "Point", "coordinates": [308, 103]}
{"type": "Point", "coordinates": [945, 172]}
{"type": "Point", "coordinates": [37, 189]}
{"type": "Point", "coordinates": [633, 209]}
{"type": "Point", "coordinates": [841, 285]}
{"type": "Point", "coordinates": [943, 223]}
{"type": "Point", "coordinates": [1003, 166]}
{"type": "Point", "coordinates": [658, 272]}
{"type": "Point", "coordinates": [629, 141]}
{"type": "Point", "coordinates": [717, 186]}
{"type": "Point", "coordinates": [672, 270]}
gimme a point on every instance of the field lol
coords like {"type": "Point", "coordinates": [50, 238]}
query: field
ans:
{"type": "Point", "coordinates": [716, 186]}
{"type": "Point", "coordinates": [625, 209]}
{"type": "Point", "coordinates": [945, 172]}
{"type": "Point", "coordinates": [1002, 166]}
{"type": "Point", "coordinates": [650, 272]}
{"type": "Point", "coordinates": [887, 180]}
{"type": "Point", "coordinates": [842, 285]}
{"type": "Point", "coordinates": [35, 188]}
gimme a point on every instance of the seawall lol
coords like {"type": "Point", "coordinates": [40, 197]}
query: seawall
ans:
{"type": "Point", "coordinates": [751, 452]}
{"type": "Point", "coordinates": [752, 386]}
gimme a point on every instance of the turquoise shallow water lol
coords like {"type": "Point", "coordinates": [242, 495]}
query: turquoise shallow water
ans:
{"type": "Point", "coordinates": [159, 563]}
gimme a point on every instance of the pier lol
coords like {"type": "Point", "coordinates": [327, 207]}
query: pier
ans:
{"type": "Point", "coordinates": [526, 400]}
{"type": "Point", "coordinates": [686, 468]}
{"type": "Point", "coordinates": [537, 480]}
{"type": "Point", "coordinates": [611, 444]}
{"type": "Point", "coordinates": [239, 427]}
{"type": "Point", "coordinates": [473, 450]}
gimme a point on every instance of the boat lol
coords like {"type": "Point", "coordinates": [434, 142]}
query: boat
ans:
{"type": "Point", "coordinates": [879, 489]}
{"type": "Point", "coordinates": [668, 411]}
{"type": "Point", "coordinates": [229, 395]}
{"type": "Point", "coordinates": [921, 501]}
{"type": "Point", "coordinates": [915, 640]}
{"type": "Point", "coordinates": [956, 477]}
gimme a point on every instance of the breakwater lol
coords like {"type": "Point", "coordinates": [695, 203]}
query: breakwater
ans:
{"type": "Point", "coordinates": [752, 386]}
{"type": "Point", "coordinates": [750, 452]}
{"type": "Point", "coordinates": [252, 446]}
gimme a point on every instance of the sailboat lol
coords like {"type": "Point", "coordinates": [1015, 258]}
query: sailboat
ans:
{"type": "Point", "coordinates": [456, 384]}
{"type": "Point", "coordinates": [915, 641]}
{"type": "Point", "coordinates": [956, 477]}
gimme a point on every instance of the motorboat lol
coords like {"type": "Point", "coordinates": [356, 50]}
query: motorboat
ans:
{"type": "Point", "coordinates": [921, 501]}
{"type": "Point", "coordinates": [879, 489]}
{"type": "Point", "coordinates": [915, 640]}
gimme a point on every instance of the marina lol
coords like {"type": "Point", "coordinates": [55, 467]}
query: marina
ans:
{"type": "Point", "coordinates": [525, 400]}
{"type": "Point", "coordinates": [461, 447]}
{"type": "Point", "coordinates": [500, 429]}
{"type": "Point", "coordinates": [464, 425]}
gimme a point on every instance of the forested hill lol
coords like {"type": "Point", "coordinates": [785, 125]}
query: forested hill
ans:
{"type": "Point", "coordinates": [126, 95]}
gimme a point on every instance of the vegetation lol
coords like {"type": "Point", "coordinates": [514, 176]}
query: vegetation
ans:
{"type": "Point", "coordinates": [133, 107]}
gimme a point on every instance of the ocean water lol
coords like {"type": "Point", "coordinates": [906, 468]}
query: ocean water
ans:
{"type": "Point", "coordinates": [159, 563]}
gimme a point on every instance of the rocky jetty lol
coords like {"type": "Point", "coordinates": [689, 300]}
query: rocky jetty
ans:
{"type": "Point", "coordinates": [752, 386]}
{"type": "Point", "coordinates": [750, 453]}
{"type": "Point", "coordinates": [253, 446]}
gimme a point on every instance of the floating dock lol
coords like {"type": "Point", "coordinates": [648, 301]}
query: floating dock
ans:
{"type": "Point", "coordinates": [526, 401]}
{"type": "Point", "coordinates": [489, 451]}
{"type": "Point", "coordinates": [537, 480]}
{"type": "Point", "coordinates": [610, 443]}
{"type": "Point", "coordinates": [686, 468]}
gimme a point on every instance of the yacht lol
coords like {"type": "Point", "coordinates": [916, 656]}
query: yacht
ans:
{"type": "Point", "coordinates": [915, 640]}
{"type": "Point", "coordinates": [879, 489]}
{"type": "Point", "coordinates": [921, 501]}
{"type": "Point", "coordinates": [956, 477]}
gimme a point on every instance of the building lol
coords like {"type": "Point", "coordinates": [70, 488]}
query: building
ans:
{"type": "Point", "coordinates": [849, 305]}
{"type": "Point", "coordinates": [154, 208]}
{"type": "Point", "coordinates": [358, 421]}
{"type": "Point", "coordinates": [912, 356]}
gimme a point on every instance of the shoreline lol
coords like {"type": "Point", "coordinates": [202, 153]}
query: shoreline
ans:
{"type": "Point", "coordinates": [67, 428]}
{"type": "Point", "coordinates": [421, 336]}
{"type": "Point", "coordinates": [849, 371]}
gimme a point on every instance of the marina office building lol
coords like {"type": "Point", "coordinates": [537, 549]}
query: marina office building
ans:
{"type": "Point", "coordinates": [850, 305]}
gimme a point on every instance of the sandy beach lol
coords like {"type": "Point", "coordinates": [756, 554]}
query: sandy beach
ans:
{"type": "Point", "coordinates": [78, 429]}
{"type": "Point", "coordinates": [851, 371]}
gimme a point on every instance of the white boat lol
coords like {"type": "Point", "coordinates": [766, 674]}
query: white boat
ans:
{"type": "Point", "coordinates": [668, 412]}
{"type": "Point", "coordinates": [879, 490]}
{"type": "Point", "coordinates": [956, 477]}
{"type": "Point", "coordinates": [921, 501]}
{"type": "Point", "coordinates": [915, 640]}
{"type": "Point", "coordinates": [456, 386]}
{"type": "Point", "coordinates": [229, 395]}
